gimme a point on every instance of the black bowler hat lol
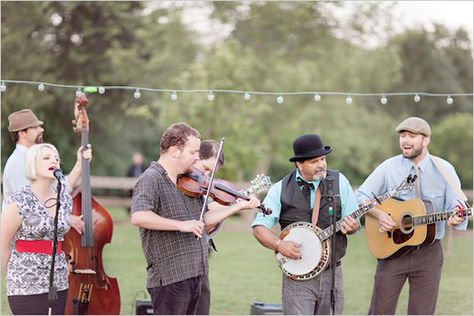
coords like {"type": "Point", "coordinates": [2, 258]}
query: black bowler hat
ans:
{"type": "Point", "coordinates": [309, 146]}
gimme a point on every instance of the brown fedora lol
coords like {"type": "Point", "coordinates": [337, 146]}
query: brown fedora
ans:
{"type": "Point", "coordinates": [23, 119]}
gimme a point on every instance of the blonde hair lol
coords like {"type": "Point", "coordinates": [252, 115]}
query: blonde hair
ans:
{"type": "Point", "coordinates": [32, 155]}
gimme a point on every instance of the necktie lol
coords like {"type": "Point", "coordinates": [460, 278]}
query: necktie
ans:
{"type": "Point", "coordinates": [417, 184]}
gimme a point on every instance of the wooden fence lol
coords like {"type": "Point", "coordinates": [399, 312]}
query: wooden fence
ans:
{"type": "Point", "coordinates": [124, 183]}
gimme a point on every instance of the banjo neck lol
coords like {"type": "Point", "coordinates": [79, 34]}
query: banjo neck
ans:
{"type": "Point", "coordinates": [329, 231]}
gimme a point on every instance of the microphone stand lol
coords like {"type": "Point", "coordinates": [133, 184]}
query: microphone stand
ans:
{"type": "Point", "coordinates": [53, 291]}
{"type": "Point", "coordinates": [332, 221]}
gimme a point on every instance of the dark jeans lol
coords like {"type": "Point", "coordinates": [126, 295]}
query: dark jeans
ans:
{"type": "Point", "coordinates": [179, 298]}
{"type": "Point", "coordinates": [204, 303]}
{"type": "Point", "coordinates": [37, 304]}
{"type": "Point", "coordinates": [422, 268]}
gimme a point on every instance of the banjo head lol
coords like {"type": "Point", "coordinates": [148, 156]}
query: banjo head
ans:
{"type": "Point", "coordinates": [314, 254]}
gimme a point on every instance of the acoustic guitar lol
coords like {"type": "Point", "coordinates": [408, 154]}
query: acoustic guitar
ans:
{"type": "Point", "coordinates": [416, 225]}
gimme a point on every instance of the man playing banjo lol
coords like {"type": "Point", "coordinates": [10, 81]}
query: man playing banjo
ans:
{"type": "Point", "coordinates": [308, 195]}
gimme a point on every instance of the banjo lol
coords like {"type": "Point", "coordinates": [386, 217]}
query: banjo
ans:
{"type": "Point", "coordinates": [314, 249]}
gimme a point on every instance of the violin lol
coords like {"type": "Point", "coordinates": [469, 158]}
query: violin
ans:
{"type": "Point", "coordinates": [223, 192]}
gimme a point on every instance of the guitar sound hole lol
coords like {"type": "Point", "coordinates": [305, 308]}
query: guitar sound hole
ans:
{"type": "Point", "coordinates": [399, 237]}
{"type": "Point", "coordinates": [406, 223]}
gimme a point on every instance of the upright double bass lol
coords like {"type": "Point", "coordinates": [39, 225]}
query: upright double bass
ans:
{"type": "Point", "coordinates": [91, 290]}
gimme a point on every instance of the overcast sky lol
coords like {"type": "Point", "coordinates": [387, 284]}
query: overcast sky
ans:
{"type": "Point", "coordinates": [450, 13]}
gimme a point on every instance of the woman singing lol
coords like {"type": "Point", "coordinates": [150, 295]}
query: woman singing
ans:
{"type": "Point", "coordinates": [27, 224]}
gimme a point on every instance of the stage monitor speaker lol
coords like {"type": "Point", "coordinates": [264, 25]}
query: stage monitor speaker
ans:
{"type": "Point", "coordinates": [143, 307]}
{"type": "Point", "coordinates": [260, 308]}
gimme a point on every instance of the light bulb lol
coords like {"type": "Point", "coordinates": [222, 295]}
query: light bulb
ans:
{"type": "Point", "coordinates": [416, 98]}
{"type": "Point", "coordinates": [280, 99]}
{"type": "Point", "coordinates": [101, 90]}
{"type": "Point", "coordinates": [174, 96]}
{"type": "Point", "coordinates": [247, 96]}
{"type": "Point", "coordinates": [449, 100]}
{"type": "Point", "coordinates": [383, 100]}
{"type": "Point", "coordinates": [210, 96]}
{"type": "Point", "coordinates": [41, 87]}
{"type": "Point", "coordinates": [317, 97]}
{"type": "Point", "coordinates": [349, 100]}
{"type": "Point", "coordinates": [137, 94]}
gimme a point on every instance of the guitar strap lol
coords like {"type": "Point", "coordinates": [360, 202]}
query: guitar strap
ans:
{"type": "Point", "coordinates": [449, 178]}
{"type": "Point", "coordinates": [317, 203]}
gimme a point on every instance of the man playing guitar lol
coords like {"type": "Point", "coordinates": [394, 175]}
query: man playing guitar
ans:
{"type": "Point", "coordinates": [422, 266]}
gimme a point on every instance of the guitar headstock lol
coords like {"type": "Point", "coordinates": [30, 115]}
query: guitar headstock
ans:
{"type": "Point", "coordinates": [260, 184]}
{"type": "Point", "coordinates": [407, 185]}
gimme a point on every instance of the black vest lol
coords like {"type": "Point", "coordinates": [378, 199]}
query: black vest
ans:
{"type": "Point", "coordinates": [294, 207]}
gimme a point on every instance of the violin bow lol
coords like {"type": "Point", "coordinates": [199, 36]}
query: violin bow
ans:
{"type": "Point", "coordinates": [211, 181]}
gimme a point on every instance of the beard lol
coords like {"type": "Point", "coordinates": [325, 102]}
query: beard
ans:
{"type": "Point", "coordinates": [415, 152]}
{"type": "Point", "coordinates": [189, 170]}
{"type": "Point", "coordinates": [320, 176]}
{"type": "Point", "coordinates": [39, 139]}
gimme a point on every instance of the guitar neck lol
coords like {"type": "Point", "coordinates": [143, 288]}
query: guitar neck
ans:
{"type": "Point", "coordinates": [436, 217]}
{"type": "Point", "coordinates": [326, 233]}
{"type": "Point", "coordinates": [248, 191]}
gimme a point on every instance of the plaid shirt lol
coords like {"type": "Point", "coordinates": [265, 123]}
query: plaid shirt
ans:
{"type": "Point", "coordinates": [171, 256]}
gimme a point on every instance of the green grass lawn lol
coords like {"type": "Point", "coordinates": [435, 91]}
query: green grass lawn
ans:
{"type": "Point", "coordinates": [242, 272]}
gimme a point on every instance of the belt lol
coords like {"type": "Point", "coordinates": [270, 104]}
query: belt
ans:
{"type": "Point", "coordinates": [38, 246]}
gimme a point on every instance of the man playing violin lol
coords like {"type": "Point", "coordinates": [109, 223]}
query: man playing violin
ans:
{"type": "Point", "coordinates": [177, 261]}
{"type": "Point", "coordinates": [290, 204]}
{"type": "Point", "coordinates": [217, 213]}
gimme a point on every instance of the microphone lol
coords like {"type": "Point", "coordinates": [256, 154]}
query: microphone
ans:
{"type": "Point", "coordinates": [330, 194]}
{"type": "Point", "coordinates": [58, 174]}
{"type": "Point", "coordinates": [330, 189]}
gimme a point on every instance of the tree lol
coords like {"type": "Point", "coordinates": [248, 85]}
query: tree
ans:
{"type": "Point", "coordinates": [436, 62]}
{"type": "Point", "coordinates": [84, 43]}
{"type": "Point", "coordinates": [455, 127]}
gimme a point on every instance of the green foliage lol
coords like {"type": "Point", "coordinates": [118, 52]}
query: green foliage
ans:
{"type": "Point", "coordinates": [86, 43]}
{"type": "Point", "coordinates": [458, 151]}
{"type": "Point", "coordinates": [435, 62]}
{"type": "Point", "coordinates": [273, 46]}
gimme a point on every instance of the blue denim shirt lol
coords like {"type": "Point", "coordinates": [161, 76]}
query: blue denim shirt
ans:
{"type": "Point", "coordinates": [434, 187]}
